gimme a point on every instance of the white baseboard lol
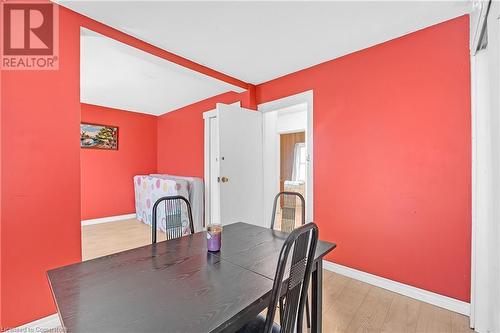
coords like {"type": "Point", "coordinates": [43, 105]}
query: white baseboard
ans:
{"type": "Point", "coordinates": [109, 219]}
{"type": "Point", "coordinates": [40, 325]}
{"type": "Point", "coordinates": [448, 303]}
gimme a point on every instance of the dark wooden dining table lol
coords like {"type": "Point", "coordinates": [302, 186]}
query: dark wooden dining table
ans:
{"type": "Point", "coordinates": [177, 286]}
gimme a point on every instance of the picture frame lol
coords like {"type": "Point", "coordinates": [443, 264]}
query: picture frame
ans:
{"type": "Point", "coordinates": [98, 136]}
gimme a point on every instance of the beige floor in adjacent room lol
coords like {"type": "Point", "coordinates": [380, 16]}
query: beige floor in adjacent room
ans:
{"type": "Point", "coordinates": [106, 238]}
{"type": "Point", "coordinates": [348, 305]}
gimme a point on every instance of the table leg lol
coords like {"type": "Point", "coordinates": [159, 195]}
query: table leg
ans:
{"type": "Point", "coordinates": [317, 297]}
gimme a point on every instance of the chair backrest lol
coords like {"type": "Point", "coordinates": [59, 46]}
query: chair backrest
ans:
{"type": "Point", "coordinates": [293, 290]}
{"type": "Point", "coordinates": [173, 210]}
{"type": "Point", "coordinates": [288, 211]}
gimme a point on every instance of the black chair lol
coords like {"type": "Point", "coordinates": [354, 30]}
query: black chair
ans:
{"type": "Point", "coordinates": [288, 201]}
{"type": "Point", "coordinates": [292, 292]}
{"type": "Point", "coordinates": [173, 216]}
{"type": "Point", "coordinates": [288, 211]}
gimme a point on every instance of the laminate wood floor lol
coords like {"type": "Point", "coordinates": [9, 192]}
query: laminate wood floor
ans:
{"type": "Point", "coordinates": [348, 305]}
{"type": "Point", "coordinates": [106, 238]}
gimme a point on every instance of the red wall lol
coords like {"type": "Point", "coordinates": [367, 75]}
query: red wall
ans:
{"type": "Point", "coordinates": [106, 175]}
{"type": "Point", "coordinates": [180, 135]}
{"type": "Point", "coordinates": [392, 156]}
{"type": "Point", "coordinates": [40, 179]}
{"type": "Point", "coordinates": [40, 189]}
{"type": "Point", "coordinates": [392, 161]}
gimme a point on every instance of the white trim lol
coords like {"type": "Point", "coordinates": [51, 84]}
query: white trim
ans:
{"type": "Point", "coordinates": [485, 272]}
{"type": "Point", "coordinates": [40, 325]}
{"type": "Point", "coordinates": [285, 102]}
{"type": "Point", "coordinates": [474, 190]}
{"type": "Point", "coordinates": [477, 23]}
{"type": "Point", "coordinates": [206, 161]}
{"type": "Point", "coordinates": [445, 302]}
{"type": "Point", "coordinates": [109, 219]}
{"type": "Point", "coordinates": [210, 114]}
{"type": "Point", "coordinates": [213, 113]}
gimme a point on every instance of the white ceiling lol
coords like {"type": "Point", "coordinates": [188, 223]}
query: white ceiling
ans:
{"type": "Point", "coordinates": [116, 75]}
{"type": "Point", "coordinates": [260, 41]}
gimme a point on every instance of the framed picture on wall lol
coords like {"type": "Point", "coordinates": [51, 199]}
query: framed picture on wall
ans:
{"type": "Point", "coordinates": [98, 136]}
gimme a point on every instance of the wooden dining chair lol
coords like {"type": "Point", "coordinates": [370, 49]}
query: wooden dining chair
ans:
{"type": "Point", "coordinates": [301, 244]}
{"type": "Point", "coordinates": [173, 209]}
{"type": "Point", "coordinates": [288, 202]}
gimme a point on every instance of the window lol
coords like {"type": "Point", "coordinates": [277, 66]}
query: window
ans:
{"type": "Point", "coordinates": [299, 164]}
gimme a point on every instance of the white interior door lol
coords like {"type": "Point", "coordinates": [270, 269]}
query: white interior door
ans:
{"type": "Point", "coordinates": [240, 165]}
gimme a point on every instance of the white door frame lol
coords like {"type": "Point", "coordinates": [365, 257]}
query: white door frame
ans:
{"type": "Point", "coordinates": [473, 191]}
{"type": "Point", "coordinates": [207, 116]}
{"type": "Point", "coordinates": [482, 306]}
{"type": "Point", "coordinates": [282, 103]}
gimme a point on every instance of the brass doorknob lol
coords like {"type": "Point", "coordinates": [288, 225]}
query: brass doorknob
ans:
{"type": "Point", "coordinates": [224, 179]}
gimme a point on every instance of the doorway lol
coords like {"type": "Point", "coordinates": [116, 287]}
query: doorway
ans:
{"type": "Point", "coordinates": [243, 159]}
{"type": "Point", "coordinates": [287, 151]}
{"type": "Point", "coordinates": [292, 178]}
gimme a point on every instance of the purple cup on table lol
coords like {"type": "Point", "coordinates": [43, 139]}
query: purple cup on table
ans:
{"type": "Point", "coordinates": [214, 235]}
